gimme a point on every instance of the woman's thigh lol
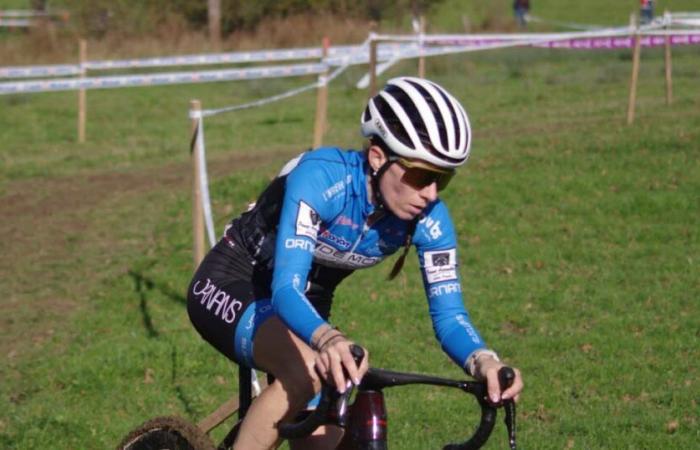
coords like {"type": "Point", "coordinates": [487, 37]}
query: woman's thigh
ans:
{"type": "Point", "coordinates": [280, 352]}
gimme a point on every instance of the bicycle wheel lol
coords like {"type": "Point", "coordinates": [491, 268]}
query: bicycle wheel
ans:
{"type": "Point", "coordinates": [166, 433]}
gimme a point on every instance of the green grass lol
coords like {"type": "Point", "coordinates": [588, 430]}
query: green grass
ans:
{"type": "Point", "coordinates": [578, 240]}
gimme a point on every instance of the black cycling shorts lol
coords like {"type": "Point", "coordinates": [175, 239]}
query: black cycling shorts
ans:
{"type": "Point", "coordinates": [229, 297]}
{"type": "Point", "coordinates": [222, 291]}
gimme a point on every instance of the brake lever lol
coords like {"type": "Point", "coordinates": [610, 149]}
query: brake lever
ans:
{"type": "Point", "coordinates": [358, 354]}
{"type": "Point", "coordinates": [342, 405]}
{"type": "Point", "coordinates": [506, 377]}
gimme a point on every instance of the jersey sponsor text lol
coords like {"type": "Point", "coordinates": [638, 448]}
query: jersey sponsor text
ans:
{"type": "Point", "coordinates": [226, 307]}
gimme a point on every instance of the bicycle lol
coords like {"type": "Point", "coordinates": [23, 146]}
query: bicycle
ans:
{"type": "Point", "coordinates": [365, 420]}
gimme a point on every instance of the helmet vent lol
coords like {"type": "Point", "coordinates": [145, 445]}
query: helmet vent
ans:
{"type": "Point", "coordinates": [392, 121]}
{"type": "Point", "coordinates": [453, 113]}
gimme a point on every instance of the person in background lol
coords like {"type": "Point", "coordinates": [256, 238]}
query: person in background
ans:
{"type": "Point", "coordinates": [646, 9]}
{"type": "Point", "coordinates": [521, 8]}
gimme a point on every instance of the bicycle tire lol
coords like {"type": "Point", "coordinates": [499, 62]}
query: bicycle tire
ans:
{"type": "Point", "coordinates": [166, 433]}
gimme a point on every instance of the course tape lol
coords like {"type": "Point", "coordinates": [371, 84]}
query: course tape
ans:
{"type": "Point", "coordinates": [402, 45]}
{"type": "Point", "coordinates": [161, 79]}
{"type": "Point", "coordinates": [686, 15]}
{"type": "Point", "coordinates": [39, 71]}
{"type": "Point", "coordinates": [609, 39]}
{"type": "Point", "coordinates": [687, 22]}
{"type": "Point", "coordinates": [28, 13]}
{"type": "Point", "coordinates": [338, 55]}
{"type": "Point", "coordinates": [200, 151]}
{"type": "Point", "coordinates": [323, 79]}
{"type": "Point", "coordinates": [15, 23]}
{"type": "Point", "coordinates": [221, 58]}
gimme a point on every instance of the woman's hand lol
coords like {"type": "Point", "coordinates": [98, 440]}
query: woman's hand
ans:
{"type": "Point", "coordinates": [334, 360]}
{"type": "Point", "coordinates": [487, 368]}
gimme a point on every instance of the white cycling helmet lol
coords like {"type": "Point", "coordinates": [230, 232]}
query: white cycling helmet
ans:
{"type": "Point", "coordinates": [418, 119]}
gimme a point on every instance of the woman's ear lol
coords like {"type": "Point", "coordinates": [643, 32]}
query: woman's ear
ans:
{"type": "Point", "coordinates": [375, 157]}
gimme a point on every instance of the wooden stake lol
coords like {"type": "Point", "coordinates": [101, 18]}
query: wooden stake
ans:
{"type": "Point", "coordinates": [372, 66]}
{"type": "Point", "coordinates": [82, 95]}
{"type": "Point", "coordinates": [635, 70]}
{"type": "Point", "coordinates": [197, 208]}
{"type": "Point", "coordinates": [321, 100]}
{"type": "Point", "coordinates": [421, 59]}
{"type": "Point", "coordinates": [214, 22]}
{"type": "Point", "coordinates": [669, 77]}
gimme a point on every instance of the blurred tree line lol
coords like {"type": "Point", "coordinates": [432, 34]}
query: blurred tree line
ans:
{"type": "Point", "coordinates": [98, 17]}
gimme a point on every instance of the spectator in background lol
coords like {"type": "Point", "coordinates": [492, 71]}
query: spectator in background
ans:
{"type": "Point", "coordinates": [521, 8]}
{"type": "Point", "coordinates": [646, 11]}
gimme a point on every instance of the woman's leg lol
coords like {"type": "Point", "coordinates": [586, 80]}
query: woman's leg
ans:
{"type": "Point", "coordinates": [278, 351]}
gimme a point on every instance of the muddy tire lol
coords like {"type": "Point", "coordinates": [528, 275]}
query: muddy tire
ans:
{"type": "Point", "coordinates": [166, 433]}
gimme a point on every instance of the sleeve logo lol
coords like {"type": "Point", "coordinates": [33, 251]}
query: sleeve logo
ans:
{"type": "Point", "coordinates": [308, 221]}
{"type": "Point", "coordinates": [440, 265]}
{"type": "Point", "coordinates": [440, 259]}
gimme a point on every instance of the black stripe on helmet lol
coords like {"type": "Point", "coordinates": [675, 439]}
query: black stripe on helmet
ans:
{"type": "Point", "coordinates": [392, 121]}
{"type": "Point", "coordinates": [366, 115]}
{"type": "Point", "coordinates": [411, 111]}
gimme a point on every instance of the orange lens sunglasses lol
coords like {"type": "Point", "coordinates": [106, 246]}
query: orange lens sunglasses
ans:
{"type": "Point", "coordinates": [419, 175]}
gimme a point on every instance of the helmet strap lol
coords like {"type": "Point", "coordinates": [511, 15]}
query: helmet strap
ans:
{"type": "Point", "coordinates": [375, 177]}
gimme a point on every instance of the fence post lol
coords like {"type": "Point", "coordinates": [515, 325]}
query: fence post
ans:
{"type": "Point", "coordinates": [667, 60]}
{"type": "Point", "coordinates": [82, 95]}
{"type": "Point", "coordinates": [197, 208]}
{"type": "Point", "coordinates": [321, 100]}
{"type": "Point", "coordinates": [421, 37]}
{"type": "Point", "coordinates": [214, 22]}
{"type": "Point", "coordinates": [634, 25]}
{"type": "Point", "coordinates": [372, 65]}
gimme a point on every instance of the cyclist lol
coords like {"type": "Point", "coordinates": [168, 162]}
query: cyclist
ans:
{"type": "Point", "coordinates": [262, 296]}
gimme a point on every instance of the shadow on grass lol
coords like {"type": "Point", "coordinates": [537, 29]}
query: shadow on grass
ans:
{"type": "Point", "coordinates": [143, 284]}
{"type": "Point", "coordinates": [186, 404]}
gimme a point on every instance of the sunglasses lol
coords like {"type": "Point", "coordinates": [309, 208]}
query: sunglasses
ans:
{"type": "Point", "coordinates": [418, 175]}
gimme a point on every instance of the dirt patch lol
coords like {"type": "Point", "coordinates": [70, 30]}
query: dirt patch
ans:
{"type": "Point", "coordinates": [53, 220]}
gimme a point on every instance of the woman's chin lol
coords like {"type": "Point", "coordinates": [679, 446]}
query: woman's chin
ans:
{"type": "Point", "coordinates": [408, 214]}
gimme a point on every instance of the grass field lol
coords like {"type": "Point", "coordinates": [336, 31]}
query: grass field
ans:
{"type": "Point", "coordinates": [579, 243]}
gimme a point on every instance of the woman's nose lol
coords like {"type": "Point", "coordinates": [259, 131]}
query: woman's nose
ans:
{"type": "Point", "coordinates": [430, 192]}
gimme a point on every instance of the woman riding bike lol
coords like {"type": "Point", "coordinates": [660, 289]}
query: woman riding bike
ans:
{"type": "Point", "coordinates": [263, 294]}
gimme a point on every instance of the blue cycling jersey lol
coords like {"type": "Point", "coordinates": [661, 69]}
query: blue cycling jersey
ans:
{"type": "Point", "coordinates": [324, 221]}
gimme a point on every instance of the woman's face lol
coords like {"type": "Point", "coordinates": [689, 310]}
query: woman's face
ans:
{"type": "Point", "coordinates": [404, 197]}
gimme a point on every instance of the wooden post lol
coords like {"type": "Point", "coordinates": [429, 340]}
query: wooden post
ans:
{"type": "Point", "coordinates": [321, 100]}
{"type": "Point", "coordinates": [197, 208]}
{"type": "Point", "coordinates": [635, 69]}
{"type": "Point", "coordinates": [372, 66]}
{"type": "Point", "coordinates": [82, 95]}
{"type": "Point", "coordinates": [421, 58]}
{"type": "Point", "coordinates": [667, 59]}
{"type": "Point", "coordinates": [214, 21]}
